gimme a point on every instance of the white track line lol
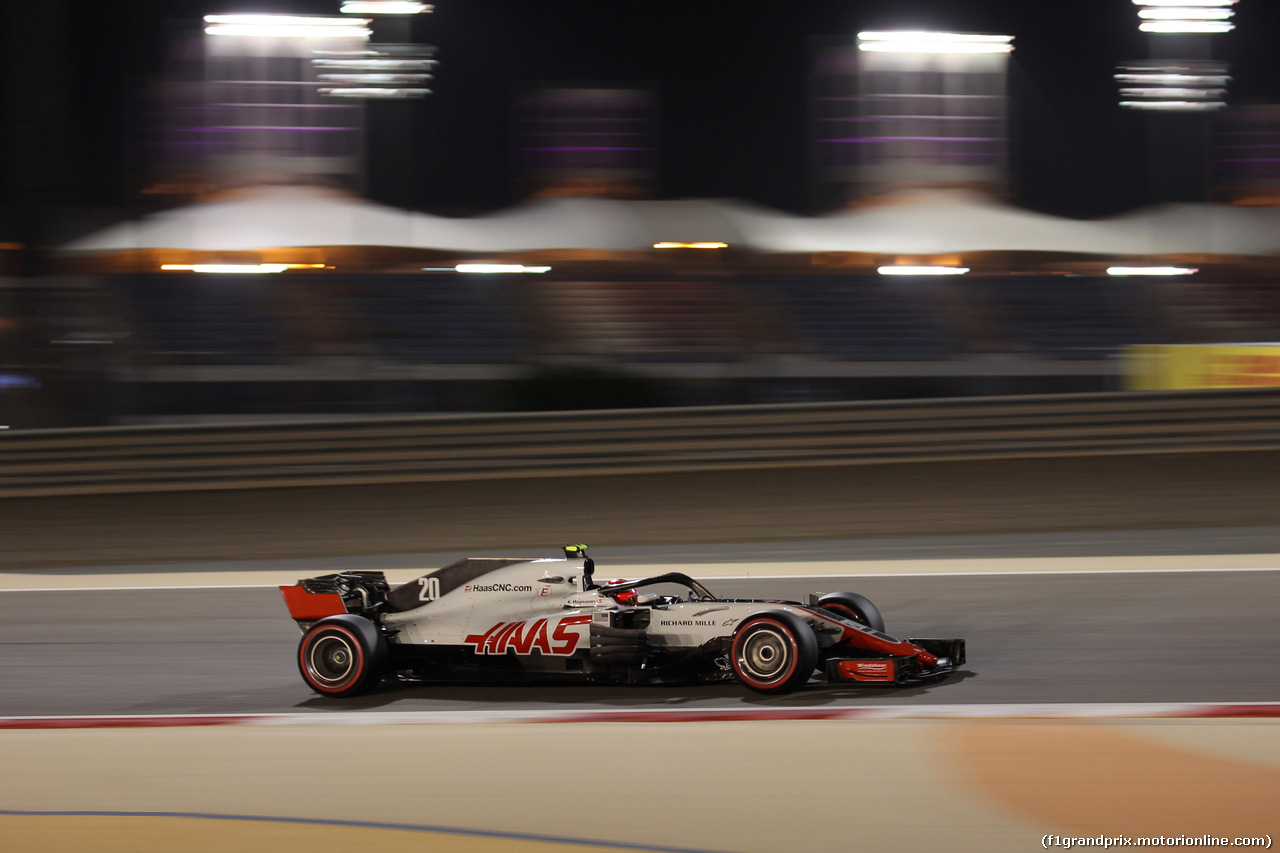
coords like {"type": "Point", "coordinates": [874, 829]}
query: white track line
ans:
{"type": "Point", "coordinates": [1006, 573]}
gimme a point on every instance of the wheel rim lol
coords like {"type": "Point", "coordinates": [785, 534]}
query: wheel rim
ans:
{"type": "Point", "coordinates": [332, 660]}
{"type": "Point", "coordinates": [765, 655]}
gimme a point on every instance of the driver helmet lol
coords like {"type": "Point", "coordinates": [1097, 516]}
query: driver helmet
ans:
{"type": "Point", "coordinates": [628, 597]}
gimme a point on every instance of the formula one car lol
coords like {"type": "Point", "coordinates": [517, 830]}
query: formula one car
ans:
{"type": "Point", "coordinates": [506, 619]}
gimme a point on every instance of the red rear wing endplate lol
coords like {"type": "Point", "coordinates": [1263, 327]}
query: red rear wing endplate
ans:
{"type": "Point", "coordinates": [309, 606]}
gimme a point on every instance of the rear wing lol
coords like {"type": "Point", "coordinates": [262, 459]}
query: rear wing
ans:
{"type": "Point", "coordinates": [312, 599]}
{"type": "Point", "coordinates": [307, 606]}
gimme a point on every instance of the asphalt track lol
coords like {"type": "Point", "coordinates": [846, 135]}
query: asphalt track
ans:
{"type": "Point", "coordinates": [1146, 578]}
{"type": "Point", "coordinates": [1108, 617]}
{"type": "Point", "coordinates": [1104, 637]}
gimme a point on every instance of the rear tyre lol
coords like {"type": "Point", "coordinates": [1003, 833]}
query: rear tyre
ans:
{"type": "Point", "coordinates": [850, 605]}
{"type": "Point", "coordinates": [774, 652]}
{"type": "Point", "coordinates": [341, 657]}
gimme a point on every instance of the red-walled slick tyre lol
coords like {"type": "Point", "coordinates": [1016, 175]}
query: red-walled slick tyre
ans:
{"type": "Point", "coordinates": [850, 605]}
{"type": "Point", "coordinates": [774, 652]}
{"type": "Point", "coordinates": [339, 657]}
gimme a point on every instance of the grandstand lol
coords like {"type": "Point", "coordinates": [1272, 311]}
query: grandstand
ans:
{"type": "Point", "coordinates": [857, 318]}
{"type": "Point", "coordinates": [190, 345]}
{"type": "Point", "coordinates": [447, 341]}
{"type": "Point", "coordinates": [457, 319]}
{"type": "Point", "coordinates": [782, 308]}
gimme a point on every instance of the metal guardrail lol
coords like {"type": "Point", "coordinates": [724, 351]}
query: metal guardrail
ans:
{"type": "Point", "coordinates": [468, 447]}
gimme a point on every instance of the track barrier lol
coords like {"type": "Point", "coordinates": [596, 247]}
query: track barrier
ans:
{"type": "Point", "coordinates": [491, 446]}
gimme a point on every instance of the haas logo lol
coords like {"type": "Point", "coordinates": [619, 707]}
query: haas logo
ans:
{"type": "Point", "coordinates": [523, 637]}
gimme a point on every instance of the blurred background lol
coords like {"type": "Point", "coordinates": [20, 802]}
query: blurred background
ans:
{"type": "Point", "coordinates": [969, 306]}
{"type": "Point", "coordinates": [321, 208]}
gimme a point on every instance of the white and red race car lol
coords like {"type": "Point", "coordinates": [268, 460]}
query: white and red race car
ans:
{"type": "Point", "coordinates": [508, 619]}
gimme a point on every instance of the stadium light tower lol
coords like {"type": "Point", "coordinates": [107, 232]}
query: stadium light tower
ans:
{"type": "Point", "coordinates": [586, 141]}
{"type": "Point", "coordinates": [1179, 77]}
{"type": "Point", "coordinates": [386, 77]}
{"type": "Point", "coordinates": [913, 108]}
{"type": "Point", "coordinates": [391, 69]}
{"type": "Point", "coordinates": [262, 118]}
{"type": "Point", "coordinates": [1185, 16]}
{"type": "Point", "coordinates": [1179, 87]}
{"type": "Point", "coordinates": [1188, 85]}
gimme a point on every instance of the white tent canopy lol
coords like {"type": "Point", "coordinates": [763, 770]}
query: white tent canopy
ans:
{"type": "Point", "coordinates": [1199, 229]}
{"type": "Point", "coordinates": [919, 223]}
{"type": "Point", "coordinates": [600, 224]}
{"type": "Point", "coordinates": [270, 217]}
{"type": "Point", "coordinates": [941, 222]}
{"type": "Point", "coordinates": [283, 217]}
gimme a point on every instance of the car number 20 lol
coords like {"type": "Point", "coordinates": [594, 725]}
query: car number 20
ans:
{"type": "Point", "coordinates": [430, 589]}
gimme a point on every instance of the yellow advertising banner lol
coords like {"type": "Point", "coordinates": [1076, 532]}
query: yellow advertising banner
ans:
{"type": "Point", "coordinates": [1174, 367]}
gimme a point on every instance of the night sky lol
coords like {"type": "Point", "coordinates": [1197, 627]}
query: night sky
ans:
{"type": "Point", "coordinates": [731, 76]}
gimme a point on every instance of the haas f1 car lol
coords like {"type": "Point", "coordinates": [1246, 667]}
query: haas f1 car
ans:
{"type": "Point", "coordinates": [500, 619]}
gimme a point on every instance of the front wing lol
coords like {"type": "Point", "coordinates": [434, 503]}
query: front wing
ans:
{"type": "Point", "coordinates": [867, 667]}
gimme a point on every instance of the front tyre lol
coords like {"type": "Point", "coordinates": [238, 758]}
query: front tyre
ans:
{"type": "Point", "coordinates": [774, 652]}
{"type": "Point", "coordinates": [341, 656]}
{"type": "Point", "coordinates": [850, 605]}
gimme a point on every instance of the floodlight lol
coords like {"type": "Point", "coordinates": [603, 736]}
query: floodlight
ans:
{"type": "Point", "coordinates": [1173, 106]}
{"type": "Point", "coordinates": [374, 79]}
{"type": "Point", "coordinates": [239, 268]}
{"type": "Point", "coordinates": [1186, 26]}
{"type": "Point", "coordinates": [226, 268]}
{"type": "Point", "coordinates": [926, 35]}
{"type": "Point", "coordinates": [1165, 80]}
{"type": "Point", "coordinates": [918, 270]}
{"type": "Point", "coordinates": [286, 26]}
{"type": "Point", "coordinates": [373, 92]}
{"type": "Point", "coordinates": [284, 20]}
{"type": "Point", "coordinates": [377, 64]}
{"type": "Point", "coordinates": [1186, 16]}
{"type": "Point", "coordinates": [385, 7]}
{"type": "Point", "coordinates": [1151, 271]}
{"type": "Point", "coordinates": [500, 268]}
{"type": "Point", "coordinates": [1167, 92]}
{"type": "Point", "coordinates": [930, 42]}
{"type": "Point", "coordinates": [1184, 3]}
{"type": "Point", "coordinates": [1173, 85]}
{"type": "Point", "coordinates": [389, 72]}
{"type": "Point", "coordinates": [1184, 13]}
